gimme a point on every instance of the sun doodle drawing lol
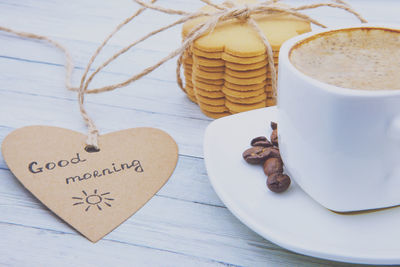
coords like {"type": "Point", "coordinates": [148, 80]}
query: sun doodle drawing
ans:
{"type": "Point", "coordinates": [93, 200]}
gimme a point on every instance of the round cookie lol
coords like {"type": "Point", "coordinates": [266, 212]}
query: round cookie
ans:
{"type": "Point", "coordinates": [247, 67]}
{"type": "Point", "coordinates": [188, 74]}
{"type": "Point", "coordinates": [210, 69]}
{"type": "Point", "coordinates": [192, 98]}
{"type": "Point", "coordinates": [244, 67]}
{"type": "Point", "coordinates": [188, 79]}
{"type": "Point", "coordinates": [207, 87]}
{"type": "Point", "coordinates": [208, 75]}
{"type": "Point", "coordinates": [187, 67]}
{"type": "Point", "coordinates": [242, 94]}
{"type": "Point", "coordinates": [208, 81]}
{"type": "Point", "coordinates": [185, 89]}
{"type": "Point", "coordinates": [210, 101]}
{"type": "Point", "coordinates": [188, 60]}
{"type": "Point", "coordinates": [231, 73]}
{"type": "Point", "coordinates": [270, 102]}
{"type": "Point", "coordinates": [244, 107]}
{"type": "Point", "coordinates": [245, 87]}
{"type": "Point", "coordinates": [243, 60]}
{"type": "Point", "coordinates": [246, 81]}
{"type": "Point", "coordinates": [215, 115]}
{"type": "Point", "coordinates": [188, 82]}
{"type": "Point", "coordinates": [214, 55]}
{"type": "Point", "coordinates": [189, 90]}
{"type": "Point", "coordinates": [215, 109]}
{"type": "Point", "coordinates": [227, 51]}
{"type": "Point", "coordinates": [208, 62]}
{"type": "Point", "coordinates": [209, 94]}
{"type": "Point", "coordinates": [247, 100]}
{"type": "Point", "coordinates": [269, 92]}
{"type": "Point", "coordinates": [246, 74]}
{"type": "Point", "coordinates": [228, 57]}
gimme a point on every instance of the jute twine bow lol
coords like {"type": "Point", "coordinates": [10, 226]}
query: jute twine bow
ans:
{"type": "Point", "coordinates": [223, 12]}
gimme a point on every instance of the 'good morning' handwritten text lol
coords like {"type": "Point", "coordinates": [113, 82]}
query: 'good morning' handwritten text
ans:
{"type": "Point", "coordinates": [35, 168]}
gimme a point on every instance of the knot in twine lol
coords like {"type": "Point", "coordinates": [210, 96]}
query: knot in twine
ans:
{"type": "Point", "coordinates": [226, 11]}
{"type": "Point", "coordinates": [239, 12]}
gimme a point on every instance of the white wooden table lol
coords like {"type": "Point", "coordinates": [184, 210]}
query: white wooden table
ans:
{"type": "Point", "coordinates": [185, 224]}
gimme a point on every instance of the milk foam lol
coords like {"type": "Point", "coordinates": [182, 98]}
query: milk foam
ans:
{"type": "Point", "coordinates": [363, 58]}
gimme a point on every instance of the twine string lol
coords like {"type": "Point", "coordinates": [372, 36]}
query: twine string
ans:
{"type": "Point", "coordinates": [227, 11]}
{"type": "Point", "coordinates": [103, 44]}
{"type": "Point", "coordinates": [69, 66]}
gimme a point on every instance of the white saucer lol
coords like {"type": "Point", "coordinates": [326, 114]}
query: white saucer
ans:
{"type": "Point", "coordinates": [292, 219]}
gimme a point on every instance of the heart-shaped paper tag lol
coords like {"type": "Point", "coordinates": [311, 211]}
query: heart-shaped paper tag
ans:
{"type": "Point", "coordinates": [93, 192]}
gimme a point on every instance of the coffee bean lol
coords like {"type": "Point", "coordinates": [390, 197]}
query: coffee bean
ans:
{"type": "Point", "coordinates": [261, 141]}
{"type": "Point", "coordinates": [274, 125]}
{"type": "Point", "coordinates": [258, 139]}
{"type": "Point", "coordinates": [252, 155]}
{"type": "Point", "coordinates": [274, 137]}
{"type": "Point", "coordinates": [265, 143]}
{"type": "Point", "coordinates": [258, 154]}
{"type": "Point", "coordinates": [271, 152]}
{"type": "Point", "coordinates": [278, 182]}
{"type": "Point", "coordinates": [273, 165]}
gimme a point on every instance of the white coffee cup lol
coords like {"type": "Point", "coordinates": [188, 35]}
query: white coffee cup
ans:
{"type": "Point", "coordinates": [342, 146]}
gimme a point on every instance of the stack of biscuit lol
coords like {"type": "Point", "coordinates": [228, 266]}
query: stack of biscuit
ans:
{"type": "Point", "coordinates": [226, 71]}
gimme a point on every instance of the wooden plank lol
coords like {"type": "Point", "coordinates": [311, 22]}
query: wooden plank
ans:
{"type": "Point", "coordinates": [47, 251]}
{"type": "Point", "coordinates": [84, 20]}
{"type": "Point", "coordinates": [134, 61]}
{"type": "Point", "coordinates": [166, 224]}
{"type": "Point", "coordinates": [147, 95]}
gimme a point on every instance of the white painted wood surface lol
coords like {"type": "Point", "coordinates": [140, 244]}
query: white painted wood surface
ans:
{"type": "Point", "coordinates": [185, 224]}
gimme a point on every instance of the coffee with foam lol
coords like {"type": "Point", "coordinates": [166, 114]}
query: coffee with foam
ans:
{"type": "Point", "coordinates": [359, 58]}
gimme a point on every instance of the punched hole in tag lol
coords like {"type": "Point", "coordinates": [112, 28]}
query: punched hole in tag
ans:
{"type": "Point", "coordinates": [91, 149]}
